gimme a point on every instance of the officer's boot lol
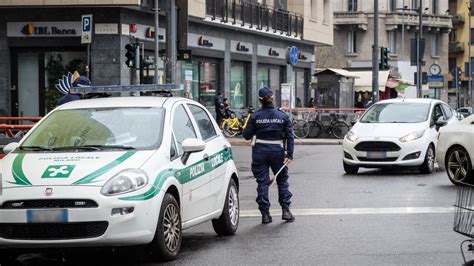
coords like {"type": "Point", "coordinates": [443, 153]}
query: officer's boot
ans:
{"type": "Point", "coordinates": [286, 215]}
{"type": "Point", "coordinates": [266, 217]}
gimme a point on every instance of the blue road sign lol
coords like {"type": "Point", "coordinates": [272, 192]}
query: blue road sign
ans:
{"type": "Point", "coordinates": [86, 36]}
{"type": "Point", "coordinates": [435, 81]}
{"type": "Point", "coordinates": [86, 23]}
{"type": "Point", "coordinates": [292, 55]}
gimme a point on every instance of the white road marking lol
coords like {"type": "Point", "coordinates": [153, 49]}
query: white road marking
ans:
{"type": "Point", "coordinates": [352, 211]}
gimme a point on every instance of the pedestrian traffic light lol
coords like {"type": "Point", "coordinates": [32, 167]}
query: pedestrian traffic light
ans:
{"type": "Point", "coordinates": [384, 56]}
{"type": "Point", "coordinates": [131, 55]}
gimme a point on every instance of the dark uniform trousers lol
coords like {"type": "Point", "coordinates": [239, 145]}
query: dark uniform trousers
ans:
{"type": "Point", "coordinates": [263, 157]}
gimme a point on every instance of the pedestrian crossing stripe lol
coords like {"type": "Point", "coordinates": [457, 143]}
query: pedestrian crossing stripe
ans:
{"type": "Point", "coordinates": [353, 211]}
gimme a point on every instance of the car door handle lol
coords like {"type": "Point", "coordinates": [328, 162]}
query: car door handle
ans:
{"type": "Point", "coordinates": [206, 157]}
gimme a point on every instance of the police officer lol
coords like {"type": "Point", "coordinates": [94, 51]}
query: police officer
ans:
{"type": "Point", "coordinates": [271, 130]}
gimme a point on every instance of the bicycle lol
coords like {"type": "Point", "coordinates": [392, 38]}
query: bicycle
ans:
{"type": "Point", "coordinates": [232, 126]}
{"type": "Point", "coordinates": [464, 218]}
{"type": "Point", "coordinates": [337, 126]}
{"type": "Point", "coordinates": [301, 127]}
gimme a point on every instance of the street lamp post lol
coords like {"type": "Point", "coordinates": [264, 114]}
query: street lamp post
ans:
{"type": "Point", "coordinates": [403, 30]}
{"type": "Point", "coordinates": [418, 51]}
{"type": "Point", "coordinates": [469, 90]}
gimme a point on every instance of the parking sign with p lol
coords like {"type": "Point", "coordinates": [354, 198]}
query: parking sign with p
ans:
{"type": "Point", "coordinates": [86, 36]}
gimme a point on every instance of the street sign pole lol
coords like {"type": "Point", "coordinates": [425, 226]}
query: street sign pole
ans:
{"type": "Point", "coordinates": [86, 38]}
{"type": "Point", "coordinates": [157, 44]}
{"type": "Point", "coordinates": [375, 55]}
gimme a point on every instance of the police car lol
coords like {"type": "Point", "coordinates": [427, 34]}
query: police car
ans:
{"type": "Point", "coordinates": [118, 171]}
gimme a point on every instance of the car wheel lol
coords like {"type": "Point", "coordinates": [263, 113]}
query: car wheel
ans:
{"type": "Point", "coordinates": [350, 169]}
{"type": "Point", "coordinates": [229, 220]}
{"type": "Point", "coordinates": [458, 166]}
{"type": "Point", "coordinates": [427, 167]}
{"type": "Point", "coordinates": [167, 242]}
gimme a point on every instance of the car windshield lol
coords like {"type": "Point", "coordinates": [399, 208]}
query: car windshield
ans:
{"type": "Point", "coordinates": [98, 129]}
{"type": "Point", "coordinates": [401, 112]}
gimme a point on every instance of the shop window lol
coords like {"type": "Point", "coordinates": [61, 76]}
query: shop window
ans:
{"type": "Point", "coordinates": [300, 89]}
{"type": "Point", "coordinates": [262, 77]}
{"type": "Point", "coordinates": [200, 81]}
{"type": "Point", "coordinates": [238, 89]}
{"type": "Point", "coordinates": [207, 83]}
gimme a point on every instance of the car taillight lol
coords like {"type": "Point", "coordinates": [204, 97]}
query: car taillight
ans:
{"type": "Point", "coordinates": [2, 155]}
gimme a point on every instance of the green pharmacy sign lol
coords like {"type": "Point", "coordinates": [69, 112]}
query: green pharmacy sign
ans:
{"type": "Point", "coordinates": [58, 171]}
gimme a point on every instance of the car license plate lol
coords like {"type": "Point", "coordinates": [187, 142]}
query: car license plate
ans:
{"type": "Point", "coordinates": [47, 216]}
{"type": "Point", "coordinates": [376, 154]}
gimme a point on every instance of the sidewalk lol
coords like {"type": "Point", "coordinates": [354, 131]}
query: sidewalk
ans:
{"type": "Point", "coordinates": [243, 142]}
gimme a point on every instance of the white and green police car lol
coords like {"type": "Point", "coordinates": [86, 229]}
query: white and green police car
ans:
{"type": "Point", "coordinates": [118, 172]}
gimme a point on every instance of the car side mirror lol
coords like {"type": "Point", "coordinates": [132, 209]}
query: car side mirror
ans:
{"type": "Point", "coordinates": [190, 146]}
{"type": "Point", "coordinates": [10, 147]}
{"type": "Point", "coordinates": [441, 122]}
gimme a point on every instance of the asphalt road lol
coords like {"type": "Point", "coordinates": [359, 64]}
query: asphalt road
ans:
{"type": "Point", "coordinates": [373, 218]}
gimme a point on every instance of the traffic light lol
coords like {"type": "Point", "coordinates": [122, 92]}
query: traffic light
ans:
{"type": "Point", "coordinates": [384, 56]}
{"type": "Point", "coordinates": [132, 55]}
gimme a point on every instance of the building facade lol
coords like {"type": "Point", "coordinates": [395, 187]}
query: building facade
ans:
{"type": "Point", "coordinates": [236, 47]}
{"type": "Point", "coordinates": [397, 27]}
{"type": "Point", "coordinates": [459, 45]}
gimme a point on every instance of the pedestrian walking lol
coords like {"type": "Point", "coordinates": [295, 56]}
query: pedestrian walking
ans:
{"type": "Point", "coordinates": [273, 145]}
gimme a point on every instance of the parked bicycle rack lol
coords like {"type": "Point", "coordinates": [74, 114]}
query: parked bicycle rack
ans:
{"type": "Point", "coordinates": [324, 115]}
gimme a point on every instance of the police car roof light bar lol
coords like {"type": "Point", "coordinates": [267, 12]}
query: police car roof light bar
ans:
{"type": "Point", "coordinates": [127, 88]}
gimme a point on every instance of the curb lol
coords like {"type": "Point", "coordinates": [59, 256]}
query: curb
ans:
{"type": "Point", "coordinates": [243, 142]}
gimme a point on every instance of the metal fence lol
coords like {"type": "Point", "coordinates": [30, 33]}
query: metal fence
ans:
{"type": "Point", "coordinates": [261, 17]}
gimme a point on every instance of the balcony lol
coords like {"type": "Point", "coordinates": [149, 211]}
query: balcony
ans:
{"type": "Point", "coordinates": [456, 47]}
{"type": "Point", "coordinates": [351, 18]}
{"type": "Point", "coordinates": [256, 17]}
{"type": "Point", "coordinates": [458, 19]}
{"type": "Point", "coordinates": [410, 20]}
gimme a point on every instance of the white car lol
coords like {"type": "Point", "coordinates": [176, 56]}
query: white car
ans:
{"type": "Point", "coordinates": [397, 132]}
{"type": "Point", "coordinates": [118, 172]}
{"type": "Point", "coordinates": [455, 151]}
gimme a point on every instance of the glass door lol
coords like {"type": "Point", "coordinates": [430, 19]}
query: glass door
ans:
{"type": "Point", "coordinates": [28, 84]}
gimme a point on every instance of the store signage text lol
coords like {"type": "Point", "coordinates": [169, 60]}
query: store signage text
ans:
{"type": "Point", "coordinates": [242, 48]}
{"type": "Point", "coordinates": [150, 33]}
{"type": "Point", "coordinates": [34, 29]}
{"type": "Point", "coordinates": [204, 42]}
{"type": "Point", "coordinates": [272, 52]}
{"type": "Point", "coordinates": [30, 29]}
{"type": "Point", "coordinates": [301, 56]}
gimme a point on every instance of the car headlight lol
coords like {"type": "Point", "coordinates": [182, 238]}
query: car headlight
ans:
{"type": "Point", "coordinates": [412, 136]}
{"type": "Point", "coordinates": [125, 181]}
{"type": "Point", "coordinates": [352, 137]}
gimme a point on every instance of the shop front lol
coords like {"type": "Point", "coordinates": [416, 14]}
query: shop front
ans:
{"type": "Point", "coordinates": [40, 54]}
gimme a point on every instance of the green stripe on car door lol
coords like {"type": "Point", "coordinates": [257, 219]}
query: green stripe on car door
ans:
{"type": "Point", "coordinates": [17, 172]}
{"type": "Point", "coordinates": [184, 175]}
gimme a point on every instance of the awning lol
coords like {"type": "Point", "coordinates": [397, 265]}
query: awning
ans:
{"type": "Point", "coordinates": [364, 82]}
{"type": "Point", "coordinates": [337, 71]}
